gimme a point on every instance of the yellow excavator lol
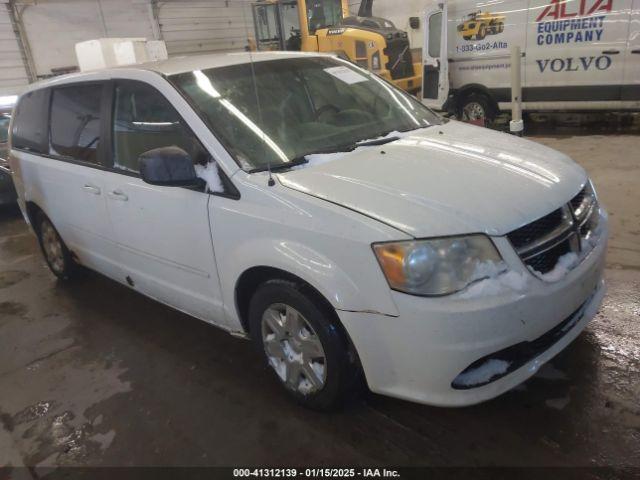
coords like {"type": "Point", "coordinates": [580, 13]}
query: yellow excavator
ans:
{"type": "Point", "coordinates": [326, 26]}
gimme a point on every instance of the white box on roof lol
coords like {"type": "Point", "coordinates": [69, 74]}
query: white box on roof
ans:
{"type": "Point", "coordinates": [115, 52]}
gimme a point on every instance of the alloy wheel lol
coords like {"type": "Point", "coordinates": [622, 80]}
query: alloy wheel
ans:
{"type": "Point", "coordinates": [52, 247]}
{"type": "Point", "coordinates": [293, 349]}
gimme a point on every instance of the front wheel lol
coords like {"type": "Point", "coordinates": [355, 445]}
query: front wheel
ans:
{"type": "Point", "coordinates": [303, 344]}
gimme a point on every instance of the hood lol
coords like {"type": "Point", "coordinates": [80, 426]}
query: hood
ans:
{"type": "Point", "coordinates": [445, 180]}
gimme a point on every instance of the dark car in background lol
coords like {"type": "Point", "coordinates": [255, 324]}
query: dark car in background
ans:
{"type": "Point", "coordinates": [7, 190]}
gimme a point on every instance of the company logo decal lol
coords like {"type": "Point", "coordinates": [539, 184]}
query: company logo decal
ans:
{"type": "Point", "coordinates": [335, 31]}
{"type": "Point", "coordinates": [478, 25]}
{"type": "Point", "coordinates": [578, 22]}
{"type": "Point", "coordinates": [557, 65]}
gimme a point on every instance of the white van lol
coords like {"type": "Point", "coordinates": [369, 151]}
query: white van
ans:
{"type": "Point", "coordinates": [576, 55]}
{"type": "Point", "coordinates": [304, 202]}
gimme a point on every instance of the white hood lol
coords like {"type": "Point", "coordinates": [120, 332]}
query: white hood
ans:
{"type": "Point", "coordinates": [446, 180]}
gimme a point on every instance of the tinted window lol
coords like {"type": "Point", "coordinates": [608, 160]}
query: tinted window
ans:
{"type": "Point", "coordinates": [435, 32]}
{"type": "Point", "coordinates": [144, 120]}
{"type": "Point", "coordinates": [30, 124]}
{"type": "Point", "coordinates": [75, 122]}
{"type": "Point", "coordinates": [5, 119]}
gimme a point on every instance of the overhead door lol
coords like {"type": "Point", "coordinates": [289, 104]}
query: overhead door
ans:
{"type": "Point", "coordinates": [13, 75]}
{"type": "Point", "coordinates": [190, 27]}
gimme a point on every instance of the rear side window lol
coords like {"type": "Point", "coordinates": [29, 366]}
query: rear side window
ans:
{"type": "Point", "coordinates": [30, 130]}
{"type": "Point", "coordinates": [75, 122]}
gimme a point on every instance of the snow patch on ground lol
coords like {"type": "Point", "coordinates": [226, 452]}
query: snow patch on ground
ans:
{"type": "Point", "coordinates": [495, 280]}
{"type": "Point", "coordinates": [484, 373]}
{"type": "Point", "coordinates": [209, 174]}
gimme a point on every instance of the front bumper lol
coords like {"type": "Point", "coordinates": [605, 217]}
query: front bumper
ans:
{"type": "Point", "coordinates": [418, 355]}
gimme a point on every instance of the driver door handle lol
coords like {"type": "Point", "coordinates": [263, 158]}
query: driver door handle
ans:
{"type": "Point", "coordinates": [118, 195]}
{"type": "Point", "coordinates": [91, 189]}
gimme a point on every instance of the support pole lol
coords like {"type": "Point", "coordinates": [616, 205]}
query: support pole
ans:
{"type": "Point", "coordinates": [516, 126]}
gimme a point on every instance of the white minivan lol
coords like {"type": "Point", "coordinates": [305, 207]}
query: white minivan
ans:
{"type": "Point", "coordinates": [306, 203]}
{"type": "Point", "coordinates": [577, 55]}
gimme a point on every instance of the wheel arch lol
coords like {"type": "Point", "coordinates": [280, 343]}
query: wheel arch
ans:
{"type": "Point", "coordinates": [252, 278]}
{"type": "Point", "coordinates": [466, 90]}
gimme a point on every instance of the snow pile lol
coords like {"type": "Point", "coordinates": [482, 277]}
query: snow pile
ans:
{"type": "Point", "coordinates": [484, 373]}
{"type": "Point", "coordinates": [493, 279]}
{"type": "Point", "coordinates": [209, 173]}
{"type": "Point", "coordinates": [564, 265]}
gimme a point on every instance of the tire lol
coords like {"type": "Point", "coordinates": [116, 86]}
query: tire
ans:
{"type": "Point", "coordinates": [476, 106]}
{"type": "Point", "coordinates": [482, 32]}
{"type": "Point", "coordinates": [467, 37]}
{"type": "Point", "coordinates": [54, 250]}
{"type": "Point", "coordinates": [291, 349]}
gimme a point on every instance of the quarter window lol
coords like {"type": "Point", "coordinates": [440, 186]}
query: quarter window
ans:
{"type": "Point", "coordinates": [30, 123]}
{"type": "Point", "coordinates": [75, 122]}
{"type": "Point", "coordinates": [145, 120]}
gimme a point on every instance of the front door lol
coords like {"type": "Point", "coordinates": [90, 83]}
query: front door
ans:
{"type": "Point", "coordinates": [631, 83]}
{"type": "Point", "coordinates": [163, 233]}
{"type": "Point", "coordinates": [435, 78]}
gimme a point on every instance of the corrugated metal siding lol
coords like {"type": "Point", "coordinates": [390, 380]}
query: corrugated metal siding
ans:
{"type": "Point", "coordinates": [13, 75]}
{"type": "Point", "coordinates": [205, 26]}
{"type": "Point", "coordinates": [53, 27]}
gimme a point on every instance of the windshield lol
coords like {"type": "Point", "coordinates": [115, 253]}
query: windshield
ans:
{"type": "Point", "coordinates": [307, 105]}
{"type": "Point", "coordinates": [323, 14]}
{"type": "Point", "coordinates": [4, 127]}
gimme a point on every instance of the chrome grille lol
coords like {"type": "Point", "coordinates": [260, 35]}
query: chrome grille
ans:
{"type": "Point", "coordinates": [542, 242]}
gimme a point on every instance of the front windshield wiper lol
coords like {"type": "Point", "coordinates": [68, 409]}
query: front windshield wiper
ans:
{"type": "Point", "coordinates": [282, 166]}
{"type": "Point", "coordinates": [377, 141]}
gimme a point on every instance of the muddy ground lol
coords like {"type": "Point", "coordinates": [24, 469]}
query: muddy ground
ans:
{"type": "Point", "coordinates": [92, 373]}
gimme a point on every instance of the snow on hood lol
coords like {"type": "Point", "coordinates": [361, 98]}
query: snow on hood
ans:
{"type": "Point", "coordinates": [444, 180]}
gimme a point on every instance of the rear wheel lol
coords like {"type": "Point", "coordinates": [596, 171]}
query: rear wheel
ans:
{"type": "Point", "coordinates": [467, 37]}
{"type": "Point", "coordinates": [476, 108]}
{"type": "Point", "coordinates": [55, 252]}
{"type": "Point", "coordinates": [303, 344]}
{"type": "Point", "coordinates": [482, 32]}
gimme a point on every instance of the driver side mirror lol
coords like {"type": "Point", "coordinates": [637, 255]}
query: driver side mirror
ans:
{"type": "Point", "coordinates": [168, 166]}
{"type": "Point", "coordinates": [414, 22]}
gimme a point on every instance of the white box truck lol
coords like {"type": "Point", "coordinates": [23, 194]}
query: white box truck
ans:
{"type": "Point", "coordinates": [577, 55]}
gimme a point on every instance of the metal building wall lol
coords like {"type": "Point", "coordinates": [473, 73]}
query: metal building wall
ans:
{"type": "Point", "coordinates": [190, 27]}
{"type": "Point", "coordinates": [53, 27]}
{"type": "Point", "coordinates": [13, 73]}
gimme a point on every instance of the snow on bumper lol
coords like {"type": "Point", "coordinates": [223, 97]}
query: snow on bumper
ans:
{"type": "Point", "coordinates": [417, 355]}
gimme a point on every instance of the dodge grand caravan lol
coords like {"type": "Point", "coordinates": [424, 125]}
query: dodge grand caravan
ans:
{"type": "Point", "coordinates": [305, 203]}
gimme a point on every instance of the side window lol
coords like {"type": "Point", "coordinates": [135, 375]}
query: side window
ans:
{"type": "Point", "coordinates": [143, 119]}
{"type": "Point", "coordinates": [30, 130]}
{"type": "Point", "coordinates": [435, 32]}
{"type": "Point", "coordinates": [75, 122]}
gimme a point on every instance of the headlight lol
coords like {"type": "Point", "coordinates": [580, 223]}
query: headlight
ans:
{"type": "Point", "coordinates": [439, 266]}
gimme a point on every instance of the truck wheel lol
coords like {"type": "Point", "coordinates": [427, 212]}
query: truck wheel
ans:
{"type": "Point", "coordinates": [467, 37]}
{"type": "Point", "coordinates": [500, 27]}
{"type": "Point", "coordinates": [56, 253]}
{"type": "Point", "coordinates": [482, 32]}
{"type": "Point", "coordinates": [476, 108]}
{"type": "Point", "coordinates": [303, 344]}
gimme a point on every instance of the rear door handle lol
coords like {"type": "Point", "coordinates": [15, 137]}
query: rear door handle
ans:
{"type": "Point", "coordinates": [637, 50]}
{"type": "Point", "coordinates": [91, 189]}
{"type": "Point", "coordinates": [611, 52]}
{"type": "Point", "coordinates": [118, 195]}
